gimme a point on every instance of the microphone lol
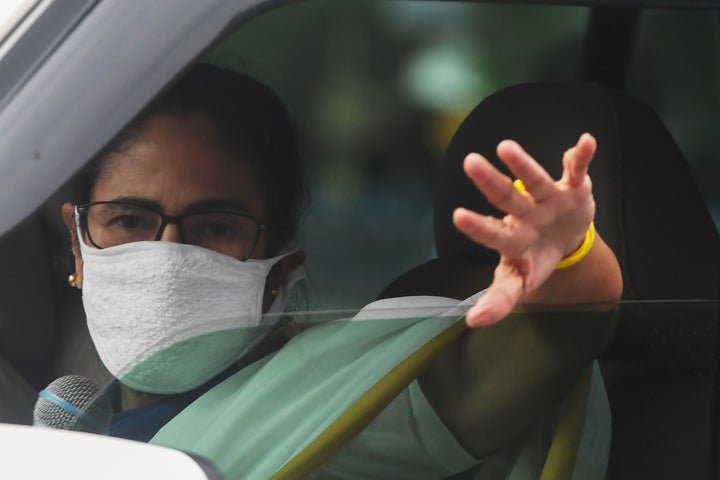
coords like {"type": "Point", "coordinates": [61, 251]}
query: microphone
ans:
{"type": "Point", "coordinates": [73, 402]}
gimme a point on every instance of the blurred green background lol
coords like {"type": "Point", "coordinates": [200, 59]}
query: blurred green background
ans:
{"type": "Point", "coordinates": [376, 89]}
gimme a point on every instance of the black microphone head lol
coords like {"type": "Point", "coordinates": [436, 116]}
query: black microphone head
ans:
{"type": "Point", "coordinates": [75, 403]}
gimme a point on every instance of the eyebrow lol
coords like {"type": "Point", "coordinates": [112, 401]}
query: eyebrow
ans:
{"type": "Point", "coordinates": [210, 204]}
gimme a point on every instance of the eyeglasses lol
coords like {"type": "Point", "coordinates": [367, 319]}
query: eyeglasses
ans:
{"type": "Point", "coordinates": [108, 224]}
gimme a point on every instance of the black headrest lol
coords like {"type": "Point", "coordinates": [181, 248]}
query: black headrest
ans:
{"type": "Point", "coordinates": [648, 208]}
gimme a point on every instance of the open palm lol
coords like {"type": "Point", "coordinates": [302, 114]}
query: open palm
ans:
{"type": "Point", "coordinates": [543, 224]}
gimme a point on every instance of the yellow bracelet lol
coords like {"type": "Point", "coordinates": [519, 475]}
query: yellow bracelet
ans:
{"type": "Point", "coordinates": [582, 250]}
{"type": "Point", "coordinates": [519, 186]}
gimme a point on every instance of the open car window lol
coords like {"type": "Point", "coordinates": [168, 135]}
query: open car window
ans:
{"type": "Point", "coordinates": [377, 101]}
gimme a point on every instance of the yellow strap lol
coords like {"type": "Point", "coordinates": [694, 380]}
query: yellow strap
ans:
{"type": "Point", "coordinates": [353, 420]}
{"type": "Point", "coordinates": [562, 455]}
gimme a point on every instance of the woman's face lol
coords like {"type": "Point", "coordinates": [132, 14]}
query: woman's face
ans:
{"type": "Point", "coordinates": [176, 166]}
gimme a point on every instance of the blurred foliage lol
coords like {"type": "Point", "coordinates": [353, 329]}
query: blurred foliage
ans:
{"type": "Point", "coordinates": [376, 89]}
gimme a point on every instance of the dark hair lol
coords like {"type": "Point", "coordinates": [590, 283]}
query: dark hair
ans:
{"type": "Point", "coordinates": [249, 120]}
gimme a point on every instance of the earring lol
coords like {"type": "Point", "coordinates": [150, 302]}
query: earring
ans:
{"type": "Point", "coordinates": [73, 279]}
{"type": "Point", "coordinates": [275, 291]}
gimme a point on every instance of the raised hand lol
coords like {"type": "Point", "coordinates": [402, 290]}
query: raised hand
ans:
{"type": "Point", "coordinates": [544, 224]}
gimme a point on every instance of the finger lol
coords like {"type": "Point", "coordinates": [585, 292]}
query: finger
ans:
{"type": "Point", "coordinates": [497, 301]}
{"type": "Point", "coordinates": [504, 236]}
{"type": "Point", "coordinates": [496, 186]}
{"type": "Point", "coordinates": [536, 180]}
{"type": "Point", "coordinates": [577, 159]}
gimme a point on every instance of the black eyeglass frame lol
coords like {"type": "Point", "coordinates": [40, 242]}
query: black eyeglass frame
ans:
{"type": "Point", "coordinates": [166, 219]}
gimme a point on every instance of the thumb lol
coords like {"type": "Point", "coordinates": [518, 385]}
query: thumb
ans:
{"type": "Point", "coordinates": [497, 301]}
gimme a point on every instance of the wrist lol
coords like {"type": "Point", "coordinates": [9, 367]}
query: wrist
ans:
{"type": "Point", "coordinates": [581, 251]}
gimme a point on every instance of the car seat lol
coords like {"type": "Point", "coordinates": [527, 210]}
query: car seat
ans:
{"type": "Point", "coordinates": [43, 334]}
{"type": "Point", "coordinates": [661, 363]}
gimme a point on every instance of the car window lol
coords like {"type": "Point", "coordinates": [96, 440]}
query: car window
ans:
{"type": "Point", "coordinates": [376, 90]}
{"type": "Point", "coordinates": [377, 100]}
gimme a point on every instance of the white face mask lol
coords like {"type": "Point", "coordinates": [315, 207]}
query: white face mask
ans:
{"type": "Point", "coordinates": [167, 317]}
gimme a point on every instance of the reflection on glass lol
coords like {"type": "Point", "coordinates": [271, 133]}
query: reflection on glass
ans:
{"type": "Point", "coordinates": [338, 370]}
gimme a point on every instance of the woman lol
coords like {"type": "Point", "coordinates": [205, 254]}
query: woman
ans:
{"type": "Point", "coordinates": [212, 163]}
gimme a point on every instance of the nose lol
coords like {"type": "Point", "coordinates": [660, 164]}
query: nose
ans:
{"type": "Point", "coordinates": [171, 233]}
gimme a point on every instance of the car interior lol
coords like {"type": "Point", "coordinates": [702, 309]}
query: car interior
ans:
{"type": "Point", "coordinates": [388, 101]}
{"type": "Point", "coordinates": [653, 343]}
